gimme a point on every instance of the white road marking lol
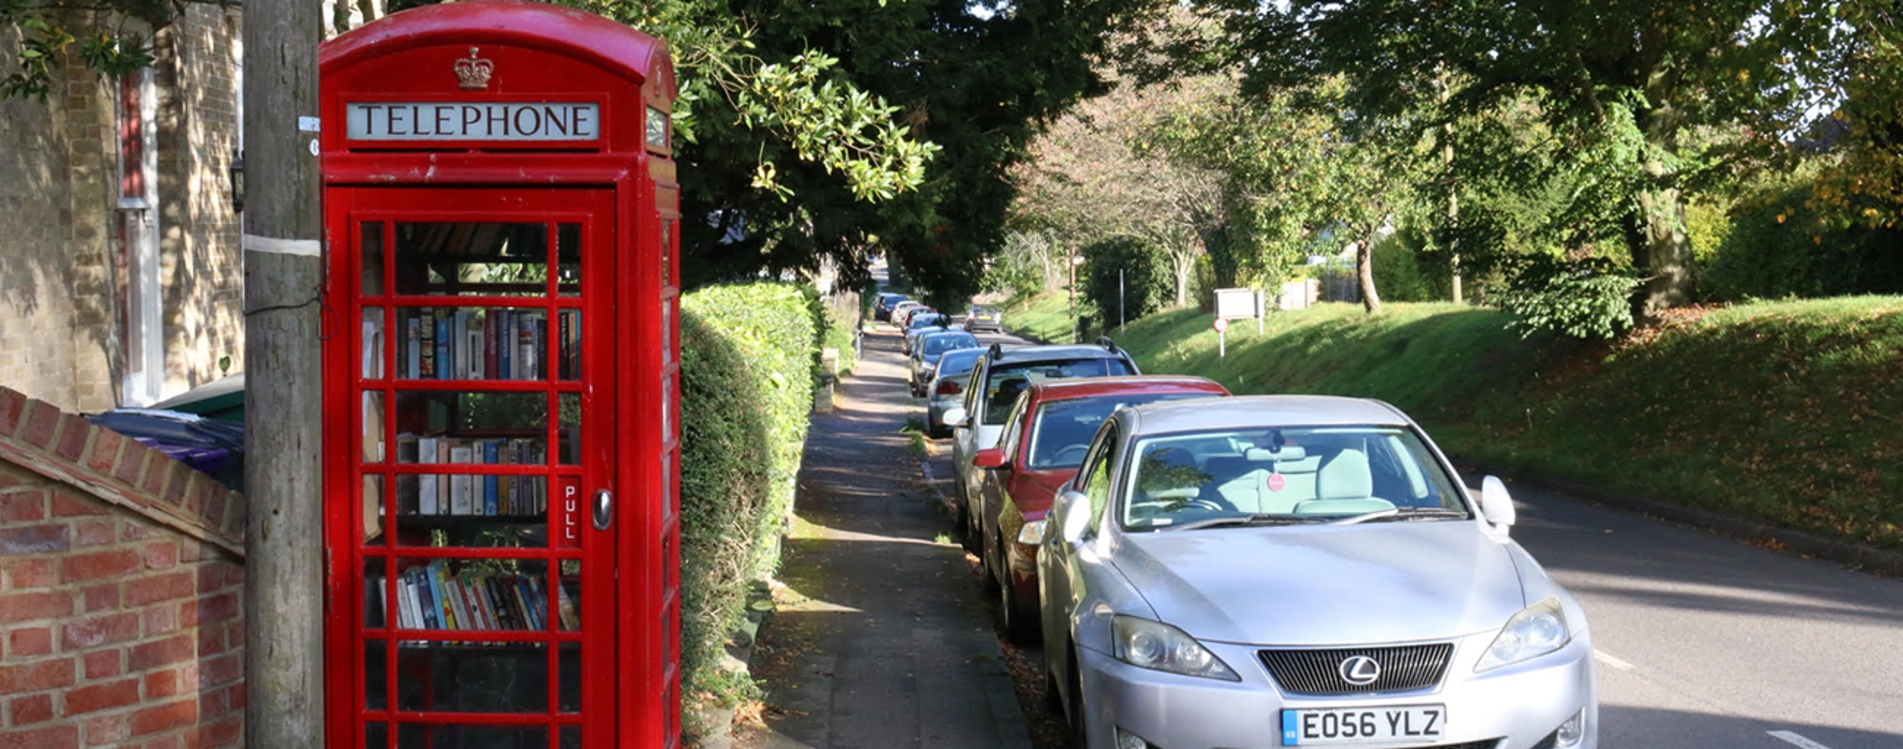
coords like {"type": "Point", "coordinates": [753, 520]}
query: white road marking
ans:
{"type": "Point", "coordinates": [1791, 737]}
{"type": "Point", "coordinates": [1600, 656]}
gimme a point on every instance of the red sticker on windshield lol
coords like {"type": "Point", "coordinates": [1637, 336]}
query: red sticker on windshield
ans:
{"type": "Point", "coordinates": [1276, 482]}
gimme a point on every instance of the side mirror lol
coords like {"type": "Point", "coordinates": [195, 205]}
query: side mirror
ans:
{"type": "Point", "coordinates": [1076, 516]}
{"type": "Point", "coordinates": [989, 458]}
{"type": "Point", "coordinates": [1496, 504]}
{"type": "Point", "coordinates": [954, 417]}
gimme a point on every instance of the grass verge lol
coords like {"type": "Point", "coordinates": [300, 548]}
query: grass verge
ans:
{"type": "Point", "coordinates": [1788, 413]}
{"type": "Point", "coordinates": [1042, 317]}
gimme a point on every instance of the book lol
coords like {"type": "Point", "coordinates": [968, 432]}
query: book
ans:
{"type": "Point", "coordinates": [565, 324]}
{"type": "Point", "coordinates": [413, 345]}
{"type": "Point", "coordinates": [477, 611]}
{"type": "Point", "coordinates": [426, 491]}
{"type": "Point", "coordinates": [430, 364]}
{"type": "Point", "coordinates": [565, 608]}
{"type": "Point", "coordinates": [426, 599]}
{"type": "Point", "coordinates": [372, 349]}
{"type": "Point", "coordinates": [445, 343]}
{"type": "Point", "coordinates": [409, 617]}
{"type": "Point", "coordinates": [454, 590]}
{"type": "Point", "coordinates": [491, 454]}
{"type": "Point", "coordinates": [490, 361]}
{"type": "Point", "coordinates": [472, 337]}
{"type": "Point", "coordinates": [462, 494]}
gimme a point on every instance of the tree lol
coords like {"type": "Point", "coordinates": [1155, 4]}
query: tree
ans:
{"type": "Point", "coordinates": [1625, 80]}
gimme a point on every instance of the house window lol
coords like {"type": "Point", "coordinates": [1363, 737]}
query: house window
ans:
{"type": "Point", "coordinates": [139, 240]}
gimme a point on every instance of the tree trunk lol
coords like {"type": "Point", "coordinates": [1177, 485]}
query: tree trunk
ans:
{"type": "Point", "coordinates": [1182, 282]}
{"type": "Point", "coordinates": [1664, 250]}
{"type": "Point", "coordinates": [1364, 269]}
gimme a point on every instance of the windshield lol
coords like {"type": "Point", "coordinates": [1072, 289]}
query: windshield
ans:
{"type": "Point", "coordinates": [923, 319]}
{"type": "Point", "coordinates": [1005, 381]}
{"type": "Point", "coordinates": [957, 362]}
{"type": "Point", "coordinates": [1062, 430]}
{"type": "Point", "coordinates": [939, 344]}
{"type": "Point", "coordinates": [1286, 473]}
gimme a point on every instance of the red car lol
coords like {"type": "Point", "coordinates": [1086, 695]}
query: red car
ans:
{"type": "Point", "coordinates": [1044, 440]}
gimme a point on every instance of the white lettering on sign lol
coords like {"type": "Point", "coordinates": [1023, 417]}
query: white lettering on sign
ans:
{"type": "Point", "coordinates": [570, 528]}
{"type": "Point", "coordinates": [452, 120]}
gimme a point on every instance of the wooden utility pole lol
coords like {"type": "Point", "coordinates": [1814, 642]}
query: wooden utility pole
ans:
{"type": "Point", "coordinates": [1453, 188]}
{"type": "Point", "coordinates": [283, 271]}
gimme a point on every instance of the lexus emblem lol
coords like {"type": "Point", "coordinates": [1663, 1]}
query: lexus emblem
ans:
{"type": "Point", "coordinates": [1360, 670]}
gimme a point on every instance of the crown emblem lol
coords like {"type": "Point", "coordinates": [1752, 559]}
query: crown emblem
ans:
{"type": "Point", "coordinates": [472, 74]}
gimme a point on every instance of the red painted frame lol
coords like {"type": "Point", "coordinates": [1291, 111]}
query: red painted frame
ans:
{"type": "Point", "coordinates": [625, 191]}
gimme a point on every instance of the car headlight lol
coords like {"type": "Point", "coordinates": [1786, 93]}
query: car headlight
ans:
{"type": "Point", "coordinates": [1032, 533]}
{"type": "Point", "coordinates": [1155, 645]}
{"type": "Point", "coordinates": [1535, 631]}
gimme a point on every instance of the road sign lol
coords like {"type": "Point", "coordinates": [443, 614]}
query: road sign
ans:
{"type": "Point", "coordinates": [1221, 325]}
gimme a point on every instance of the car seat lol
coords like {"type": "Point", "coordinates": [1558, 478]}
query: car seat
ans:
{"type": "Point", "coordinates": [1344, 486]}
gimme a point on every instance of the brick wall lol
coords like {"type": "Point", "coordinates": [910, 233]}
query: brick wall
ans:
{"type": "Point", "coordinates": [120, 596]}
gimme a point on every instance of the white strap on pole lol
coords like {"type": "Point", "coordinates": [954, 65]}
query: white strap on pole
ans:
{"type": "Point", "coordinates": [275, 246]}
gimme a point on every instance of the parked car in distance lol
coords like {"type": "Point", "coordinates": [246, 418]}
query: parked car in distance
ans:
{"type": "Point", "coordinates": [1044, 441]}
{"type": "Point", "coordinates": [922, 323]}
{"type": "Point", "coordinates": [1304, 567]}
{"type": "Point", "coordinates": [929, 346]}
{"type": "Point", "coordinates": [984, 318]}
{"type": "Point", "coordinates": [882, 309]}
{"type": "Point", "coordinates": [897, 316]}
{"type": "Point", "coordinates": [905, 317]}
{"type": "Point", "coordinates": [946, 389]}
{"type": "Point", "coordinates": [997, 379]}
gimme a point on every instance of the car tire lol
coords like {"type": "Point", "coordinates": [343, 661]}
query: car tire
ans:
{"type": "Point", "coordinates": [965, 537]}
{"type": "Point", "coordinates": [1074, 720]}
{"type": "Point", "coordinates": [990, 570]}
{"type": "Point", "coordinates": [1020, 624]}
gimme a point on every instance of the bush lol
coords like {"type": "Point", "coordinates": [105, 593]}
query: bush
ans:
{"type": "Point", "coordinates": [746, 388]}
{"type": "Point", "coordinates": [1778, 247]}
{"type": "Point", "coordinates": [1147, 285]}
{"type": "Point", "coordinates": [1586, 299]}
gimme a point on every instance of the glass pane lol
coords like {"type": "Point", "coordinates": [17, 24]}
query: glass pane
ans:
{"type": "Point", "coordinates": [376, 735]}
{"type": "Point", "coordinates": [375, 674]}
{"type": "Point", "coordinates": [449, 427]}
{"type": "Point", "coordinates": [519, 522]}
{"type": "Point", "coordinates": [667, 254]}
{"type": "Point", "coordinates": [470, 258]}
{"type": "Point", "coordinates": [472, 343]}
{"type": "Point", "coordinates": [372, 244]}
{"type": "Point", "coordinates": [372, 343]}
{"type": "Point", "coordinates": [570, 432]}
{"type": "Point", "coordinates": [372, 508]}
{"type": "Point", "coordinates": [569, 655]}
{"type": "Point", "coordinates": [571, 737]}
{"type": "Point", "coordinates": [441, 736]}
{"type": "Point", "coordinates": [424, 500]}
{"type": "Point", "coordinates": [568, 249]}
{"type": "Point", "coordinates": [475, 595]}
{"type": "Point", "coordinates": [375, 599]}
{"type": "Point", "coordinates": [509, 677]}
{"type": "Point", "coordinates": [568, 363]}
{"type": "Point", "coordinates": [373, 426]}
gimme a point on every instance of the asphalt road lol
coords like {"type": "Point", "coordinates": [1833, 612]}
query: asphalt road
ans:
{"type": "Point", "coordinates": [1707, 642]}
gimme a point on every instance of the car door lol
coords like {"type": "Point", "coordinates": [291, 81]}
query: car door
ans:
{"type": "Point", "coordinates": [965, 435]}
{"type": "Point", "coordinates": [992, 483]}
{"type": "Point", "coordinates": [1061, 565]}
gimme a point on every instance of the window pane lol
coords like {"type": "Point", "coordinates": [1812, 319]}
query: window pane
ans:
{"type": "Point", "coordinates": [373, 426]}
{"type": "Point", "coordinates": [476, 595]}
{"type": "Point", "coordinates": [568, 249]}
{"type": "Point", "coordinates": [474, 343]}
{"type": "Point", "coordinates": [570, 433]}
{"type": "Point", "coordinates": [371, 344]}
{"type": "Point", "coordinates": [441, 736]}
{"type": "Point", "coordinates": [448, 427]}
{"type": "Point", "coordinates": [372, 258]}
{"type": "Point", "coordinates": [469, 258]}
{"type": "Point", "coordinates": [375, 674]}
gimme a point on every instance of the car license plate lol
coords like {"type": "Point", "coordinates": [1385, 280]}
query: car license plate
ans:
{"type": "Point", "coordinates": [1361, 725]}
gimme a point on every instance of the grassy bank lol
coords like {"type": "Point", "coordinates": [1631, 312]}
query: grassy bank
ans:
{"type": "Point", "coordinates": [1043, 317]}
{"type": "Point", "coordinates": [1781, 412]}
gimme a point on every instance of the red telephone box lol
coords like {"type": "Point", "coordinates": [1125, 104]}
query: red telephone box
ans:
{"type": "Point", "coordinates": [501, 435]}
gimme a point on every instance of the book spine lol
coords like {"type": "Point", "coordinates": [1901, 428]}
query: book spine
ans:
{"type": "Point", "coordinates": [565, 607]}
{"type": "Point", "coordinates": [406, 603]}
{"type": "Point", "coordinates": [426, 483]}
{"type": "Point", "coordinates": [432, 367]}
{"type": "Point", "coordinates": [491, 455]}
{"type": "Point", "coordinates": [427, 601]}
{"type": "Point", "coordinates": [564, 370]}
{"type": "Point", "coordinates": [474, 337]}
{"type": "Point", "coordinates": [443, 343]}
{"type": "Point", "coordinates": [413, 346]}
{"type": "Point", "coordinates": [521, 604]}
{"type": "Point", "coordinates": [474, 604]}
{"type": "Point", "coordinates": [455, 589]}
{"type": "Point", "coordinates": [489, 586]}
{"type": "Point", "coordinates": [505, 356]}
{"type": "Point", "coordinates": [439, 606]}
{"type": "Point", "coordinates": [490, 361]}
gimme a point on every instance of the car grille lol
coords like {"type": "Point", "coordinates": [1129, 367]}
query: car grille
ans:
{"type": "Point", "coordinates": [1404, 668]}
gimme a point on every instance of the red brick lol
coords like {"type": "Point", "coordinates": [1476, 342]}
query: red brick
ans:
{"type": "Point", "coordinates": [12, 403]}
{"type": "Point", "coordinates": [160, 555]}
{"type": "Point", "coordinates": [9, 479]}
{"type": "Point", "coordinates": [103, 663]}
{"type": "Point", "coordinates": [160, 620]}
{"type": "Point", "coordinates": [234, 515]}
{"type": "Point", "coordinates": [33, 708]}
{"type": "Point", "coordinates": [164, 717]}
{"type": "Point", "coordinates": [96, 532]}
{"type": "Point", "coordinates": [211, 641]}
{"type": "Point", "coordinates": [221, 734]}
{"type": "Point", "coordinates": [27, 642]}
{"type": "Point", "coordinates": [217, 608]}
{"type": "Point", "coordinates": [42, 419]}
{"type": "Point", "coordinates": [67, 504]}
{"type": "Point", "coordinates": [212, 704]}
{"type": "Point", "coordinates": [107, 729]}
{"type": "Point", "coordinates": [167, 742]}
{"type": "Point", "coordinates": [175, 488]}
{"type": "Point", "coordinates": [99, 697]}
{"type": "Point", "coordinates": [138, 529]}
{"type": "Point", "coordinates": [35, 539]}
{"type": "Point", "coordinates": [161, 652]}
{"type": "Point", "coordinates": [82, 567]}
{"type": "Point", "coordinates": [158, 470]}
{"type": "Point", "coordinates": [50, 737]}
{"type": "Point", "coordinates": [31, 573]}
{"type": "Point", "coordinates": [221, 670]}
{"type": "Point", "coordinates": [163, 683]}
{"type": "Point", "coordinates": [106, 445]}
{"type": "Point", "coordinates": [236, 696]}
{"type": "Point", "coordinates": [22, 507]}
{"type": "Point", "coordinates": [158, 588]}
{"type": "Point", "coordinates": [37, 676]}
{"type": "Point", "coordinates": [102, 597]}
{"type": "Point", "coordinates": [199, 490]}
{"type": "Point", "coordinates": [234, 576]}
{"type": "Point", "coordinates": [73, 433]}
{"type": "Point", "coordinates": [21, 607]}
{"type": "Point", "coordinates": [99, 630]}
{"type": "Point", "coordinates": [211, 577]}
{"type": "Point", "coordinates": [132, 462]}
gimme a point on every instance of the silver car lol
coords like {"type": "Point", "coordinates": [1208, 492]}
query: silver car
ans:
{"type": "Point", "coordinates": [1300, 571]}
{"type": "Point", "coordinates": [946, 390]}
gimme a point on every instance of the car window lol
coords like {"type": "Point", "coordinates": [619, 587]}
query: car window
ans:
{"type": "Point", "coordinates": [1006, 380]}
{"type": "Point", "coordinates": [1096, 485]}
{"type": "Point", "coordinates": [942, 343]}
{"type": "Point", "coordinates": [1014, 427]}
{"type": "Point", "coordinates": [1298, 472]}
{"type": "Point", "coordinates": [972, 386]}
{"type": "Point", "coordinates": [956, 362]}
{"type": "Point", "coordinates": [1062, 429]}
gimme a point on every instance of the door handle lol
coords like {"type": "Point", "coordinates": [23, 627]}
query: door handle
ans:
{"type": "Point", "coordinates": [604, 511]}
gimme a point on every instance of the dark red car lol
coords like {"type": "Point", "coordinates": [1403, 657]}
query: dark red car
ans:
{"type": "Point", "coordinates": [1044, 440]}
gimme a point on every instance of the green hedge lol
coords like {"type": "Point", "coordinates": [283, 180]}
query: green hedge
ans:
{"type": "Point", "coordinates": [747, 354]}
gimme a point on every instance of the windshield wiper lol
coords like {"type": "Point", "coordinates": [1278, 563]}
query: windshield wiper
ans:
{"type": "Point", "coordinates": [1412, 513]}
{"type": "Point", "coordinates": [1238, 520]}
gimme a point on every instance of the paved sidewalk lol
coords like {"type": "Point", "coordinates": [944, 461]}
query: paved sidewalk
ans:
{"type": "Point", "coordinates": [882, 640]}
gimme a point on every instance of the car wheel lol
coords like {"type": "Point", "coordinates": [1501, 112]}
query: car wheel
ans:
{"type": "Point", "coordinates": [1074, 718]}
{"type": "Point", "coordinates": [1020, 624]}
{"type": "Point", "coordinates": [990, 568]}
{"type": "Point", "coordinates": [965, 536]}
